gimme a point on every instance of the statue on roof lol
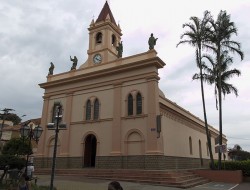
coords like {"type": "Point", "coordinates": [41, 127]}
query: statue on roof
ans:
{"type": "Point", "coordinates": [119, 48]}
{"type": "Point", "coordinates": [152, 41]}
{"type": "Point", "coordinates": [51, 69]}
{"type": "Point", "coordinates": [75, 60]}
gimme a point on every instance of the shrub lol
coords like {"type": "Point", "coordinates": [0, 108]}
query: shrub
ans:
{"type": "Point", "coordinates": [12, 161]}
{"type": "Point", "coordinates": [236, 165]}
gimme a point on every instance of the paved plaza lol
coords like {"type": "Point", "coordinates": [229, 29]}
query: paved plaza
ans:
{"type": "Point", "coordinates": [81, 183]}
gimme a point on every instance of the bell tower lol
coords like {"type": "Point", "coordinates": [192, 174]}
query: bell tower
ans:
{"type": "Point", "coordinates": [104, 36]}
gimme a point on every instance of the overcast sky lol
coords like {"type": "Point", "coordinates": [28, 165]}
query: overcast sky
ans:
{"type": "Point", "coordinates": [34, 33]}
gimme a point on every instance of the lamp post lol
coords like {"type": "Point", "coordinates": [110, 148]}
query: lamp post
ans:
{"type": "Point", "coordinates": [55, 126]}
{"type": "Point", "coordinates": [30, 133]}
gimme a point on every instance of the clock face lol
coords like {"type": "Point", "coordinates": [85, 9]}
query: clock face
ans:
{"type": "Point", "coordinates": [97, 58]}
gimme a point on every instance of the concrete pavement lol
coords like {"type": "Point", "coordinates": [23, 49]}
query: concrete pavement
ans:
{"type": "Point", "coordinates": [81, 183]}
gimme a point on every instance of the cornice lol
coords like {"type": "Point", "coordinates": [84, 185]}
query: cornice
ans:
{"type": "Point", "coordinates": [192, 121]}
{"type": "Point", "coordinates": [155, 61]}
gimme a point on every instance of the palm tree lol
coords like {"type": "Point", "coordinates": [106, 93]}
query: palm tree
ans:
{"type": "Point", "coordinates": [211, 75]}
{"type": "Point", "coordinates": [220, 40]}
{"type": "Point", "coordinates": [197, 36]}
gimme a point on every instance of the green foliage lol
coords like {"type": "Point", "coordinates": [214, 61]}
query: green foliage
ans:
{"type": "Point", "coordinates": [11, 117]}
{"type": "Point", "coordinates": [17, 147]}
{"type": "Point", "coordinates": [238, 154]}
{"type": "Point", "coordinates": [236, 165]}
{"type": "Point", "coordinates": [13, 153]}
{"type": "Point", "coordinates": [3, 186]}
{"type": "Point", "coordinates": [12, 161]}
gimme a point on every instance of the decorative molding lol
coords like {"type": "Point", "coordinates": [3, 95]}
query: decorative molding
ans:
{"type": "Point", "coordinates": [175, 116]}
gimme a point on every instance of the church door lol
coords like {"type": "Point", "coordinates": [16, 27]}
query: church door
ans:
{"type": "Point", "coordinates": [90, 151]}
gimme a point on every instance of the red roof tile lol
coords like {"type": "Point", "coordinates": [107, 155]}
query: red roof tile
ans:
{"type": "Point", "coordinates": [104, 12]}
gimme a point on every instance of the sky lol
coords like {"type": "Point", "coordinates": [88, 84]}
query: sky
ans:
{"type": "Point", "coordinates": [34, 33]}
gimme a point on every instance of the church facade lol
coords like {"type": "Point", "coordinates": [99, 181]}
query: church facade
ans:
{"type": "Point", "coordinates": [115, 114]}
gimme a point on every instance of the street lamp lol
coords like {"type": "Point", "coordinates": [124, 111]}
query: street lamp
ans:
{"type": "Point", "coordinates": [56, 126]}
{"type": "Point", "coordinates": [30, 133]}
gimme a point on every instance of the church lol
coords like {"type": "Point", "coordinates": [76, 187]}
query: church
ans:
{"type": "Point", "coordinates": [115, 114]}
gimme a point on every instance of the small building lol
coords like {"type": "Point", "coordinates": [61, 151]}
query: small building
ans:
{"type": "Point", "coordinates": [115, 113]}
{"type": "Point", "coordinates": [9, 132]}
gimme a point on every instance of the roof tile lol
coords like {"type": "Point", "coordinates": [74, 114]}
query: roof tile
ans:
{"type": "Point", "coordinates": [104, 13]}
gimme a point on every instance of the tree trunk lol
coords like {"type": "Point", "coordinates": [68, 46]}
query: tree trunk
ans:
{"type": "Point", "coordinates": [220, 104]}
{"type": "Point", "coordinates": [206, 125]}
{"type": "Point", "coordinates": [205, 115]}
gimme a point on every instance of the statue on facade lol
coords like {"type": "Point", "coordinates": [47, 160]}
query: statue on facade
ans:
{"type": "Point", "coordinates": [51, 69]}
{"type": "Point", "coordinates": [119, 48]}
{"type": "Point", "coordinates": [75, 60]}
{"type": "Point", "coordinates": [152, 41]}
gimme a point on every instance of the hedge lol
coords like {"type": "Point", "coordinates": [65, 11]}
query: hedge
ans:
{"type": "Point", "coordinates": [11, 161]}
{"type": "Point", "coordinates": [236, 165]}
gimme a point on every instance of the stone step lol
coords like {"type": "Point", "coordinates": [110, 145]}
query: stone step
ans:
{"type": "Point", "coordinates": [173, 178]}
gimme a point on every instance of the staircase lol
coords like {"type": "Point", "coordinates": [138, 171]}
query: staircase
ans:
{"type": "Point", "coordinates": [171, 178]}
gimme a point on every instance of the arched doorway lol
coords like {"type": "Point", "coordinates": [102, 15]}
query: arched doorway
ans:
{"type": "Point", "coordinates": [90, 151]}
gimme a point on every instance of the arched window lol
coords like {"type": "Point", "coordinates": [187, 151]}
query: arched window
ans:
{"type": "Point", "coordinates": [96, 109]}
{"type": "Point", "coordinates": [99, 38]}
{"type": "Point", "coordinates": [57, 108]}
{"type": "Point", "coordinates": [113, 40]}
{"type": "Point", "coordinates": [138, 103]}
{"type": "Point", "coordinates": [190, 146]}
{"type": "Point", "coordinates": [88, 110]}
{"type": "Point", "coordinates": [130, 104]}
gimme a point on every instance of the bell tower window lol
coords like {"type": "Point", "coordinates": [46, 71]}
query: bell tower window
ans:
{"type": "Point", "coordinates": [113, 40]}
{"type": "Point", "coordinates": [99, 38]}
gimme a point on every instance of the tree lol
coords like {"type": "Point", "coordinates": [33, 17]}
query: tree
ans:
{"type": "Point", "coordinates": [237, 147]}
{"type": "Point", "coordinates": [236, 153]}
{"type": "Point", "coordinates": [211, 75]}
{"type": "Point", "coordinates": [12, 154]}
{"type": "Point", "coordinates": [17, 147]}
{"type": "Point", "coordinates": [11, 117]}
{"type": "Point", "coordinates": [220, 40]}
{"type": "Point", "coordinates": [197, 35]}
{"type": "Point", "coordinates": [3, 117]}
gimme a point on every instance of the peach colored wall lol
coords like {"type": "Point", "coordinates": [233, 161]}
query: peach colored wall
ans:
{"type": "Point", "coordinates": [102, 131]}
{"type": "Point", "coordinates": [176, 133]}
{"type": "Point", "coordinates": [105, 97]}
{"type": "Point", "coordinates": [134, 87]}
{"type": "Point", "coordinates": [115, 131]}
